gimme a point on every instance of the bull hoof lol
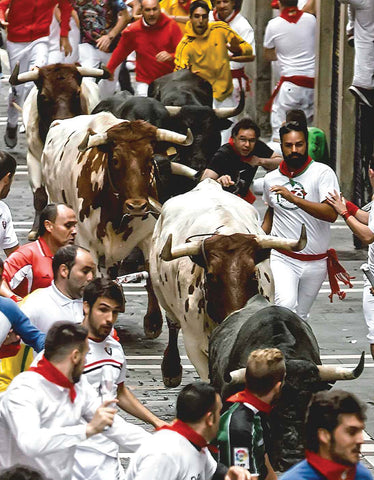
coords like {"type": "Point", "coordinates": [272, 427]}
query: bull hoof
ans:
{"type": "Point", "coordinates": [172, 382]}
{"type": "Point", "coordinates": [32, 236]}
{"type": "Point", "coordinates": [152, 325]}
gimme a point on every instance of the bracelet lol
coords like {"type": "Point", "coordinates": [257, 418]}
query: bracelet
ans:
{"type": "Point", "coordinates": [351, 207]}
{"type": "Point", "coordinates": [345, 215]}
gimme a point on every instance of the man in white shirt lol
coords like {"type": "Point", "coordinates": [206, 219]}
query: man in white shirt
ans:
{"type": "Point", "coordinates": [290, 39]}
{"type": "Point", "coordinates": [181, 451]}
{"type": "Point", "coordinates": [8, 237]}
{"type": "Point", "coordinates": [296, 194]}
{"type": "Point", "coordinates": [73, 268]}
{"type": "Point", "coordinates": [48, 410]}
{"type": "Point", "coordinates": [363, 78]}
{"type": "Point", "coordinates": [105, 370]}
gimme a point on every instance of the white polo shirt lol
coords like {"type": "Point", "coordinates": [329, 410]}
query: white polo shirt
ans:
{"type": "Point", "coordinates": [45, 306]}
{"type": "Point", "coordinates": [8, 237]}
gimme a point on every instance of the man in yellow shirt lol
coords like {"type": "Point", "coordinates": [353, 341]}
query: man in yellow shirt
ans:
{"type": "Point", "coordinates": [179, 10]}
{"type": "Point", "coordinates": [205, 50]}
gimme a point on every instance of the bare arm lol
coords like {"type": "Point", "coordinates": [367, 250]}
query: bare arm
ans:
{"type": "Point", "coordinates": [322, 210]}
{"type": "Point", "coordinates": [357, 223]}
{"type": "Point", "coordinates": [270, 54]}
{"type": "Point", "coordinates": [128, 402]}
{"type": "Point", "coordinates": [5, 290]}
{"type": "Point", "coordinates": [268, 163]}
{"type": "Point", "coordinates": [268, 220]}
{"type": "Point", "coordinates": [103, 43]}
{"type": "Point", "coordinates": [208, 173]}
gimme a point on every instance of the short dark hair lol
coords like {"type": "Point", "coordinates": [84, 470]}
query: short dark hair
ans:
{"type": "Point", "coordinates": [293, 126]}
{"type": "Point", "coordinates": [65, 256]}
{"type": "Point", "coordinates": [21, 472]}
{"type": "Point", "coordinates": [296, 115]}
{"type": "Point", "coordinates": [103, 287]}
{"type": "Point", "coordinates": [7, 164]}
{"type": "Point", "coordinates": [265, 368]}
{"type": "Point", "coordinates": [198, 4]}
{"type": "Point", "coordinates": [324, 410]}
{"type": "Point", "coordinates": [244, 124]}
{"type": "Point", "coordinates": [49, 212]}
{"type": "Point", "coordinates": [194, 401]}
{"type": "Point", "coordinates": [62, 338]}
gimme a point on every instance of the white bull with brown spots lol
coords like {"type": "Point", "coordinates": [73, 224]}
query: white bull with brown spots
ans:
{"type": "Point", "coordinates": [209, 255]}
{"type": "Point", "coordinates": [103, 167]}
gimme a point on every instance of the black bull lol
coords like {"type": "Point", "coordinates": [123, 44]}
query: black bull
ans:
{"type": "Point", "coordinates": [259, 325]}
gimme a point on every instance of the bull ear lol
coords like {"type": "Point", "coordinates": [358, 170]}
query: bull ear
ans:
{"type": "Point", "coordinates": [261, 255]}
{"type": "Point", "coordinates": [92, 139]}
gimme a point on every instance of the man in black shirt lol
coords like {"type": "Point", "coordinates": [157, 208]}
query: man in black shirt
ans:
{"type": "Point", "coordinates": [241, 157]}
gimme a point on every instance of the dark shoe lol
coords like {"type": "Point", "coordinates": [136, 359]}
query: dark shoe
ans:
{"type": "Point", "coordinates": [363, 95]}
{"type": "Point", "coordinates": [10, 137]}
{"type": "Point", "coordinates": [351, 40]}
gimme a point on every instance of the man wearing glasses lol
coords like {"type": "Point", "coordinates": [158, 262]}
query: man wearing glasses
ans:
{"type": "Point", "coordinates": [240, 158]}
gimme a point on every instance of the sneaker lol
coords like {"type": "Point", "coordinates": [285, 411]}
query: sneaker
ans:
{"type": "Point", "coordinates": [22, 128]}
{"type": "Point", "coordinates": [10, 137]}
{"type": "Point", "coordinates": [363, 95]}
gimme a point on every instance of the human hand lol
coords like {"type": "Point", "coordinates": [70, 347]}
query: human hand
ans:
{"type": "Point", "coordinates": [372, 291]}
{"type": "Point", "coordinates": [65, 46]}
{"type": "Point", "coordinates": [284, 192]}
{"type": "Point", "coordinates": [337, 201]}
{"type": "Point", "coordinates": [164, 56]}
{"type": "Point", "coordinates": [102, 418]}
{"type": "Point", "coordinates": [4, 24]}
{"type": "Point", "coordinates": [225, 181]}
{"type": "Point", "coordinates": [12, 337]}
{"type": "Point", "coordinates": [234, 46]}
{"type": "Point", "coordinates": [237, 473]}
{"type": "Point", "coordinates": [371, 177]}
{"type": "Point", "coordinates": [103, 43]}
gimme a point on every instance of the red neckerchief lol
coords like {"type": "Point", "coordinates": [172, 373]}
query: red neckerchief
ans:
{"type": "Point", "coordinates": [291, 14]}
{"type": "Point", "coordinates": [187, 432]}
{"type": "Point", "coordinates": [245, 396]}
{"type": "Point", "coordinates": [283, 168]}
{"type": "Point", "coordinates": [53, 375]}
{"type": "Point", "coordinates": [227, 19]}
{"type": "Point", "coordinates": [242, 158]}
{"type": "Point", "coordinates": [185, 5]}
{"type": "Point", "coordinates": [331, 470]}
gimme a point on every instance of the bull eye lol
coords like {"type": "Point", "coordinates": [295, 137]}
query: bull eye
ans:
{"type": "Point", "coordinates": [115, 162]}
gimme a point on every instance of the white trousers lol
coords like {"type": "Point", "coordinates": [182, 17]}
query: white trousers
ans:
{"type": "Point", "coordinates": [364, 65]}
{"type": "Point", "coordinates": [141, 89]}
{"type": "Point", "coordinates": [227, 102]}
{"type": "Point", "coordinates": [55, 54]}
{"type": "Point", "coordinates": [291, 96]}
{"type": "Point", "coordinates": [93, 465]}
{"type": "Point", "coordinates": [368, 307]}
{"type": "Point", "coordinates": [28, 54]}
{"type": "Point", "coordinates": [297, 282]}
{"type": "Point", "coordinates": [92, 57]}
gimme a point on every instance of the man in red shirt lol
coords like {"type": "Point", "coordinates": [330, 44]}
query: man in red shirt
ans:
{"type": "Point", "coordinates": [27, 25]}
{"type": "Point", "coordinates": [30, 267]}
{"type": "Point", "coordinates": [154, 38]}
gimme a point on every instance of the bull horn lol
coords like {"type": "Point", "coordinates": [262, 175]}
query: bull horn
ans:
{"type": "Point", "coordinates": [268, 241]}
{"type": "Point", "coordinates": [173, 111]}
{"type": "Point", "coordinates": [156, 206]}
{"type": "Point", "coordinates": [331, 374]}
{"type": "Point", "coordinates": [184, 250]}
{"type": "Point", "coordinates": [179, 169]}
{"type": "Point", "coordinates": [174, 137]}
{"type": "Point", "coordinates": [227, 112]}
{"type": "Point", "coordinates": [92, 139]}
{"type": "Point", "coordinates": [237, 376]}
{"type": "Point", "coordinates": [94, 72]}
{"type": "Point", "coordinates": [17, 79]}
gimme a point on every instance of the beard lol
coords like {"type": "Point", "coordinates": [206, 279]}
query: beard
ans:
{"type": "Point", "coordinates": [295, 160]}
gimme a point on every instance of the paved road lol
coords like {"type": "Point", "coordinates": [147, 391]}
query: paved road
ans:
{"type": "Point", "coordinates": [339, 326]}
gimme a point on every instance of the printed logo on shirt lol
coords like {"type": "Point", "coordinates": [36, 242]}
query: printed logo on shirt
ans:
{"type": "Point", "coordinates": [4, 224]}
{"type": "Point", "coordinates": [294, 187]}
{"type": "Point", "coordinates": [241, 457]}
{"type": "Point", "coordinates": [108, 350]}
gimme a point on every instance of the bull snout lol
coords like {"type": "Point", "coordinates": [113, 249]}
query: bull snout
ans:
{"type": "Point", "coordinates": [136, 206]}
